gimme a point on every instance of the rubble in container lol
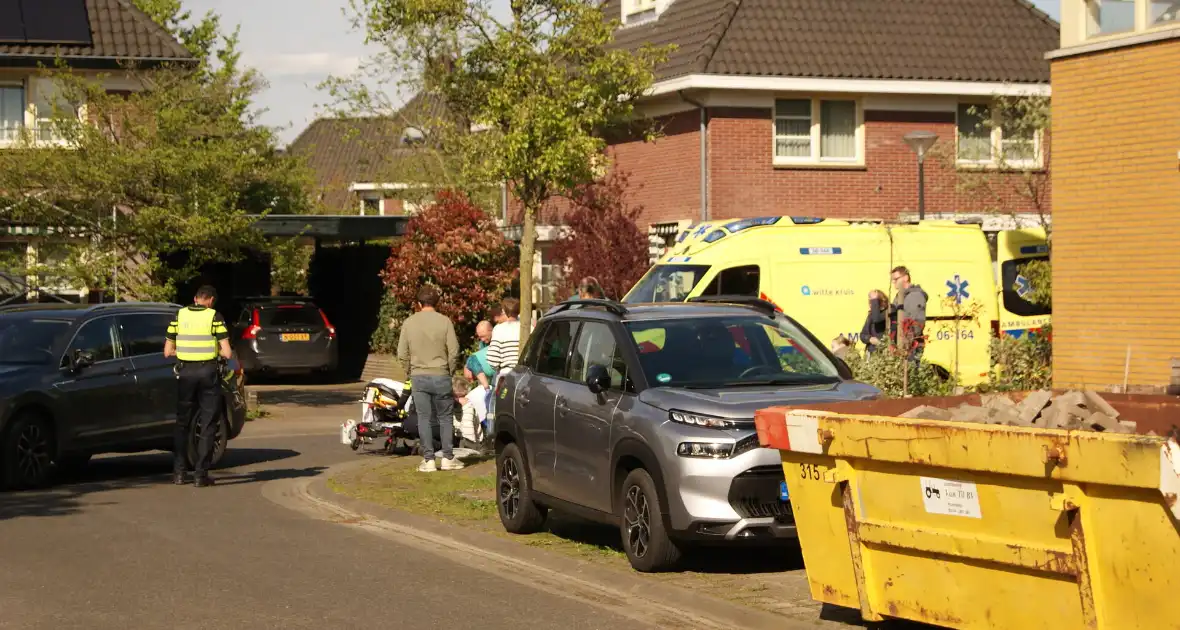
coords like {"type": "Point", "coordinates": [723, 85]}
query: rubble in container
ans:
{"type": "Point", "coordinates": [1073, 411]}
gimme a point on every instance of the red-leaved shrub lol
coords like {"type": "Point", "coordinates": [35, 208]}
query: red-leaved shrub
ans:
{"type": "Point", "coordinates": [454, 246]}
{"type": "Point", "coordinates": [602, 239]}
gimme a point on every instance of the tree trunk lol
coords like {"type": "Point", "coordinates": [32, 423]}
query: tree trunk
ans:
{"type": "Point", "coordinates": [528, 248]}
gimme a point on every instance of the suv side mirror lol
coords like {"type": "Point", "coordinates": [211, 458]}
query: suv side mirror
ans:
{"type": "Point", "coordinates": [81, 359]}
{"type": "Point", "coordinates": [597, 379]}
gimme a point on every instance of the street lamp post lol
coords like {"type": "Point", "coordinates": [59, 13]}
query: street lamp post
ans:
{"type": "Point", "coordinates": [920, 142]}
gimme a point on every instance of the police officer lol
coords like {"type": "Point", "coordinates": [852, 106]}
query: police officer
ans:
{"type": "Point", "coordinates": [197, 337]}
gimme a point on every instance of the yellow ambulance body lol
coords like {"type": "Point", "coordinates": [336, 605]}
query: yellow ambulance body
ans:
{"type": "Point", "coordinates": [820, 272]}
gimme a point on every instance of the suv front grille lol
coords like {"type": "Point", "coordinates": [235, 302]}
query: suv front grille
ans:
{"type": "Point", "coordinates": [755, 494]}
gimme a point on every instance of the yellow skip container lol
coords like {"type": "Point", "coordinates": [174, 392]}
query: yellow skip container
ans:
{"type": "Point", "coordinates": [981, 526]}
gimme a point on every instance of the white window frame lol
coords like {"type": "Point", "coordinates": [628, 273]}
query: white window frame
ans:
{"type": "Point", "coordinates": [997, 144]}
{"type": "Point", "coordinates": [815, 159]}
{"type": "Point", "coordinates": [638, 10]}
{"type": "Point", "coordinates": [24, 86]}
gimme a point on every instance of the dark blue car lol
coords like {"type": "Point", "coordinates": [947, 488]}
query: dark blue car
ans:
{"type": "Point", "coordinates": [79, 380]}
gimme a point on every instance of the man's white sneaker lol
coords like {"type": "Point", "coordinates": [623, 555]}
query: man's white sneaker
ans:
{"type": "Point", "coordinates": [428, 465]}
{"type": "Point", "coordinates": [452, 464]}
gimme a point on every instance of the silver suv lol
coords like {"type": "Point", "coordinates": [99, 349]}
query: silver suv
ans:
{"type": "Point", "coordinates": [642, 416]}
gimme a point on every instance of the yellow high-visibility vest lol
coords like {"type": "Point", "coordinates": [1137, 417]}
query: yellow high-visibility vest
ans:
{"type": "Point", "coordinates": [194, 335]}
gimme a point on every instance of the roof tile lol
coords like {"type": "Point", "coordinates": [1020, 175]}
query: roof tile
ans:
{"type": "Point", "coordinates": [956, 40]}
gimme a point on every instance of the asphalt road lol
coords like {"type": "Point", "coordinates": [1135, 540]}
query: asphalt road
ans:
{"type": "Point", "coordinates": [122, 548]}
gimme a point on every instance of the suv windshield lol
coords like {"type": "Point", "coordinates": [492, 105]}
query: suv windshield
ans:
{"type": "Point", "coordinates": [742, 350]}
{"type": "Point", "coordinates": [27, 341]}
{"type": "Point", "coordinates": [667, 283]}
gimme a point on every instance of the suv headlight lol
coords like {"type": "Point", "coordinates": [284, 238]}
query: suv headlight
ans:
{"type": "Point", "coordinates": [699, 420]}
{"type": "Point", "coordinates": [706, 450]}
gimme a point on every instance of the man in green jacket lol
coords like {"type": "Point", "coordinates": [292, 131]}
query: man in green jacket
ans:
{"type": "Point", "coordinates": [429, 352]}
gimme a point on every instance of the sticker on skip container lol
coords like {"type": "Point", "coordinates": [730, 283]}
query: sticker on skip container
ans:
{"type": "Point", "coordinates": [664, 378]}
{"type": "Point", "coordinates": [952, 498]}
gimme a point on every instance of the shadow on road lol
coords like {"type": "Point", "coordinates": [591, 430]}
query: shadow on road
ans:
{"type": "Point", "coordinates": [309, 397]}
{"type": "Point", "coordinates": [131, 472]}
{"type": "Point", "coordinates": [268, 475]}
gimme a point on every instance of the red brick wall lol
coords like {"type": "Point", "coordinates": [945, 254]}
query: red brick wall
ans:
{"type": "Point", "coordinates": [744, 182]}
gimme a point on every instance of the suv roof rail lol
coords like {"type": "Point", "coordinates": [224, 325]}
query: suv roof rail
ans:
{"type": "Point", "coordinates": [741, 300]}
{"type": "Point", "coordinates": [104, 305]}
{"type": "Point", "coordinates": [610, 305]}
{"type": "Point", "coordinates": [39, 306]}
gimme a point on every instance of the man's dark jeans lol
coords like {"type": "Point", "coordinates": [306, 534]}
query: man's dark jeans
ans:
{"type": "Point", "coordinates": [198, 404]}
{"type": "Point", "coordinates": [434, 401]}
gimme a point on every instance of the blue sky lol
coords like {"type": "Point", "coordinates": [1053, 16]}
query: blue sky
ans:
{"type": "Point", "coordinates": [296, 44]}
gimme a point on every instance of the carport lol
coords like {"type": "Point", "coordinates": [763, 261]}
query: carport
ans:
{"type": "Point", "coordinates": [343, 278]}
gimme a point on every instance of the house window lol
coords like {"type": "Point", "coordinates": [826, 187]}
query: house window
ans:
{"type": "Point", "coordinates": [1164, 12]}
{"type": "Point", "coordinates": [1104, 17]}
{"type": "Point", "coordinates": [50, 104]}
{"type": "Point", "coordinates": [370, 206]}
{"type": "Point", "coordinates": [12, 112]}
{"type": "Point", "coordinates": [985, 141]}
{"type": "Point", "coordinates": [632, 8]}
{"type": "Point", "coordinates": [817, 131]}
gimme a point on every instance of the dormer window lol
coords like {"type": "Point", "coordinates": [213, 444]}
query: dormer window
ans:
{"type": "Point", "coordinates": [639, 10]}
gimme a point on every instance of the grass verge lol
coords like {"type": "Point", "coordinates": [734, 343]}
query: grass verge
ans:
{"type": "Point", "coordinates": [769, 580]}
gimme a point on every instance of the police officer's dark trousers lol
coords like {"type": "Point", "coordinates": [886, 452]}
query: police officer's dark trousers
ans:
{"type": "Point", "coordinates": [200, 398]}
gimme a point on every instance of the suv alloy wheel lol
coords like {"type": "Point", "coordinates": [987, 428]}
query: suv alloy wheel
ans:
{"type": "Point", "coordinates": [26, 453]}
{"type": "Point", "coordinates": [645, 538]}
{"type": "Point", "coordinates": [518, 513]}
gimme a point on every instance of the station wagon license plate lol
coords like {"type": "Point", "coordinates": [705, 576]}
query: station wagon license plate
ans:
{"type": "Point", "coordinates": [783, 494]}
{"type": "Point", "coordinates": [295, 337]}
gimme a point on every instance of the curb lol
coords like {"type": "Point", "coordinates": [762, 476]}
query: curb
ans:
{"type": "Point", "coordinates": [617, 585]}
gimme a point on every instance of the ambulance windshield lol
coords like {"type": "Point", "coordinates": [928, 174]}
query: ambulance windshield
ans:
{"type": "Point", "coordinates": [667, 283]}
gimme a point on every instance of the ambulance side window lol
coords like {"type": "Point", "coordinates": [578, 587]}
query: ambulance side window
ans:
{"type": "Point", "coordinates": [735, 281]}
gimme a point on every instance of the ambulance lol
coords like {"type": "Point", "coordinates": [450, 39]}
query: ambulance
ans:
{"type": "Point", "coordinates": [820, 272]}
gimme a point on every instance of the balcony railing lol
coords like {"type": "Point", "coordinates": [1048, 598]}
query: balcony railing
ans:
{"type": "Point", "coordinates": [41, 134]}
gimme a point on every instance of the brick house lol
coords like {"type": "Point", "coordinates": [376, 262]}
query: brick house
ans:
{"type": "Point", "coordinates": [371, 165]}
{"type": "Point", "coordinates": [1116, 204]}
{"type": "Point", "coordinates": [799, 106]}
{"type": "Point", "coordinates": [92, 37]}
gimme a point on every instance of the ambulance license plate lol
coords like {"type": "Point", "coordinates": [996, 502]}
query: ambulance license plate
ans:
{"type": "Point", "coordinates": [295, 337]}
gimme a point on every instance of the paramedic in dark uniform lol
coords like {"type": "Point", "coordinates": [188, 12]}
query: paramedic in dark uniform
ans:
{"type": "Point", "coordinates": [197, 338]}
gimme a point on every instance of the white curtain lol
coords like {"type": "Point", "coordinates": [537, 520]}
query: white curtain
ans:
{"type": "Point", "coordinates": [837, 129]}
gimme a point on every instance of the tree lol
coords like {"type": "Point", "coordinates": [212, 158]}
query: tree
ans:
{"type": "Point", "coordinates": [154, 183]}
{"type": "Point", "coordinates": [602, 239]}
{"type": "Point", "coordinates": [1023, 122]}
{"type": "Point", "coordinates": [540, 86]}
{"type": "Point", "coordinates": [455, 247]}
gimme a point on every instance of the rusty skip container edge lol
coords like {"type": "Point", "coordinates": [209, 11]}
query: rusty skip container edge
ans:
{"type": "Point", "coordinates": [982, 526]}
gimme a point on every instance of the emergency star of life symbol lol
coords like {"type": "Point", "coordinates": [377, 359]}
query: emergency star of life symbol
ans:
{"type": "Point", "coordinates": [1023, 286]}
{"type": "Point", "coordinates": [958, 289]}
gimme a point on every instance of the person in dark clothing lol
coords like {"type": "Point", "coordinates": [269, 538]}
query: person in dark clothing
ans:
{"type": "Point", "coordinates": [197, 338]}
{"type": "Point", "coordinates": [909, 313]}
{"type": "Point", "coordinates": [874, 333]}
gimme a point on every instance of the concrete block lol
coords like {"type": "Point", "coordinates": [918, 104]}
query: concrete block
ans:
{"type": "Point", "coordinates": [1073, 398]}
{"type": "Point", "coordinates": [1104, 423]}
{"type": "Point", "coordinates": [1033, 404]}
{"type": "Point", "coordinates": [1096, 403]}
{"type": "Point", "coordinates": [1132, 427]}
{"type": "Point", "coordinates": [967, 413]}
{"type": "Point", "coordinates": [1066, 416]}
{"type": "Point", "coordinates": [926, 412]}
{"type": "Point", "coordinates": [1010, 416]}
{"type": "Point", "coordinates": [997, 401]}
